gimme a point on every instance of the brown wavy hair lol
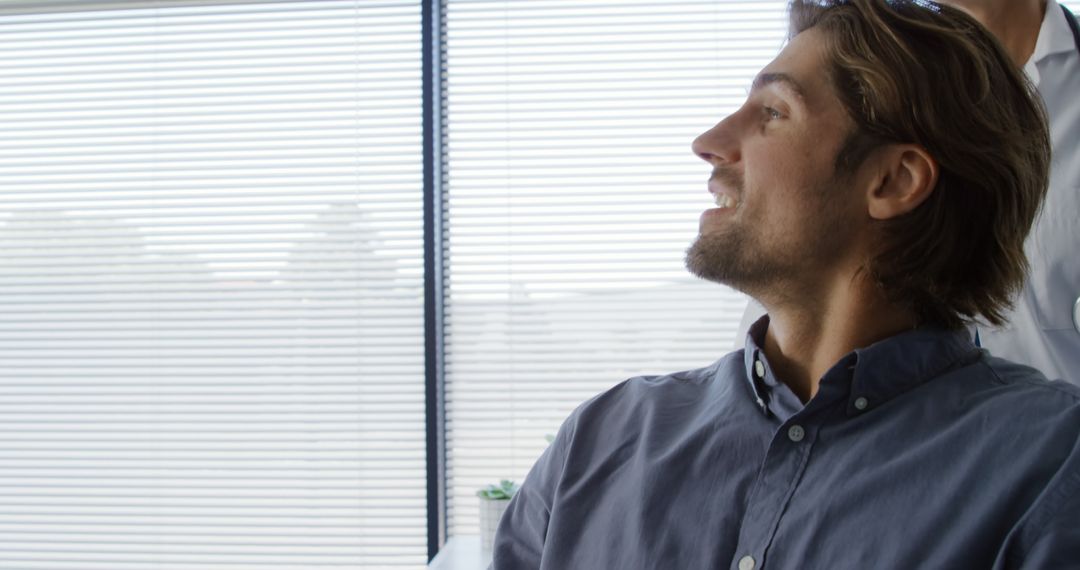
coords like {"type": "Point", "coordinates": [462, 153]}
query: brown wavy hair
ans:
{"type": "Point", "coordinates": [913, 71]}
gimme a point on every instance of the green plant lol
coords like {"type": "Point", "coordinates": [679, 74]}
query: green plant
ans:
{"type": "Point", "coordinates": [504, 490]}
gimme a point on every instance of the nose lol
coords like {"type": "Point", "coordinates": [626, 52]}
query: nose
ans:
{"type": "Point", "coordinates": [717, 145]}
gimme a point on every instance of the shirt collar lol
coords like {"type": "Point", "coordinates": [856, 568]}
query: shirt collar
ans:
{"type": "Point", "coordinates": [761, 379]}
{"type": "Point", "coordinates": [1055, 37]}
{"type": "Point", "coordinates": [867, 377]}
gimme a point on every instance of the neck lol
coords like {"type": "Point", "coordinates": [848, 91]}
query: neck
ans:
{"type": "Point", "coordinates": [1015, 23]}
{"type": "Point", "coordinates": [805, 339]}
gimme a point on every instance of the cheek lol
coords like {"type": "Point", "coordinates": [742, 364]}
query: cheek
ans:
{"type": "Point", "coordinates": [791, 156]}
{"type": "Point", "coordinates": [787, 169]}
{"type": "Point", "coordinates": [779, 181]}
{"type": "Point", "coordinates": [792, 200]}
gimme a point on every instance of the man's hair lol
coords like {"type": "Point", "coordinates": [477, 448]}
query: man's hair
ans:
{"type": "Point", "coordinates": [912, 71]}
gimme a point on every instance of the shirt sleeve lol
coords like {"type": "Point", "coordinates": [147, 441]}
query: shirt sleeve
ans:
{"type": "Point", "coordinates": [519, 538]}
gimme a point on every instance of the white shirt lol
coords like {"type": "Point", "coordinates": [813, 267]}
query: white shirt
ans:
{"type": "Point", "coordinates": [1041, 330]}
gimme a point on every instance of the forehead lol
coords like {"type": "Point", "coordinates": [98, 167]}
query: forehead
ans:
{"type": "Point", "coordinates": [800, 70]}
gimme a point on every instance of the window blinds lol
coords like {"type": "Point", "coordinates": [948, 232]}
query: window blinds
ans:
{"type": "Point", "coordinates": [211, 287]}
{"type": "Point", "coordinates": [572, 197]}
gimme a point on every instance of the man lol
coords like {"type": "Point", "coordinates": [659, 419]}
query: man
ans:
{"type": "Point", "coordinates": [1043, 330]}
{"type": "Point", "coordinates": [874, 194]}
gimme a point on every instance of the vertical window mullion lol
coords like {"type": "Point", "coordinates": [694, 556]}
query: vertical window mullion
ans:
{"type": "Point", "coordinates": [433, 34]}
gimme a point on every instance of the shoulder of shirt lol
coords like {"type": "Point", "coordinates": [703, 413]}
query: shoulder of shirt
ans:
{"type": "Point", "coordinates": [1026, 379]}
{"type": "Point", "coordinates": [1040, 409]}
{"type": "Point", "coordinates": [647, 390]}
{"type": "Point", "coordinates": [639, 385]}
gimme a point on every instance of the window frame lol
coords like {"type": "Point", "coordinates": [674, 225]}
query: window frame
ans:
{"type": "Point", "coordinates": [433, 33]}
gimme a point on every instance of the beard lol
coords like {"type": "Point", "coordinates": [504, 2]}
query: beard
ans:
{"type": "Point", "coordinates": [765, 265]}
{"type": "Point", "coordinates": [728, 259]}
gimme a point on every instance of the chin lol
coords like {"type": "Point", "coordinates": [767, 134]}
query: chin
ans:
{"type": "Point", "coordinates": [712, 258]}
{"type": "Point", "coordinates": [727, 259]}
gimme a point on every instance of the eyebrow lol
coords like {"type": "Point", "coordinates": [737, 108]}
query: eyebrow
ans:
{"type": "Point", "coordinates": [786, 81]}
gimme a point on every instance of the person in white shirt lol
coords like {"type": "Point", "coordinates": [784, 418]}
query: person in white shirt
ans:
{"type": "Point", "coordinates": [1044, 327]}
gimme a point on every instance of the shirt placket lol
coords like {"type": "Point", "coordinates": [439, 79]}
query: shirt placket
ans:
{"type": "Point", "coordinates": [777, 479]}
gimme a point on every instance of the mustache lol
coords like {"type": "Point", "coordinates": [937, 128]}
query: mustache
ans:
{"type": "Point", "coordinates": [729, 177]}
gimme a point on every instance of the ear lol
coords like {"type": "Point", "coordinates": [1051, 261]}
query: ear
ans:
{"type": "Point", "coordinates": [907, 176]}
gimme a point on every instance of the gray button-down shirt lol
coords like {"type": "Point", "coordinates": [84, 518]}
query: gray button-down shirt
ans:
{"type": "Point", "coordinates": [920, 451]}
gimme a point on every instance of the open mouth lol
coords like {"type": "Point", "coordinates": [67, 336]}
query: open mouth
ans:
{"type": "Point", "coordinates": [725, 201]}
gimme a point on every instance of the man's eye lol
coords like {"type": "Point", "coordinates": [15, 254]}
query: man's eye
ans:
{"type": "Point", "coordinates": [772, 113]}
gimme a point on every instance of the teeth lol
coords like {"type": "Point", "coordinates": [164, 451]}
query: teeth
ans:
{"type": "Point", "coordinates": [725, 201]}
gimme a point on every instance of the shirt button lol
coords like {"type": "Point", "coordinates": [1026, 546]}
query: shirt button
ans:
{"type": "Point", "coordinates": [1076, 315]}
{"type": "Point", "coordinates": [861, 403]}
{"type": "Point", "coordinates": [759, 369]}
{"type": "Point", "coordinates": [747, 563]}
{"type": "Point", "coordinates": [796, 433]}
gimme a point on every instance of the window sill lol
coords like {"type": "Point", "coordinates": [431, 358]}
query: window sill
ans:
{"type": "Point", "coordinates": [459, 553]}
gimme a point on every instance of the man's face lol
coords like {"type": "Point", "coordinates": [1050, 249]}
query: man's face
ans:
{"type": "Point", "coordinates": [785, 216]}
